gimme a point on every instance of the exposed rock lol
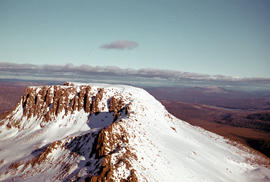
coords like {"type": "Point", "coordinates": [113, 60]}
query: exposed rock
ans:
{"type": "Point", "coordinates": [96, 99]}
{"type": "Point", "coordinates": [49, 102]}
{"type": "Point", "coordinates": [107, 143]}
{"type": "Point", "coordinates": [87, 100]}
{"type": "Point", "coordinates": [116, 106]}
{"type": "Point", "coordinates": [132, 177]}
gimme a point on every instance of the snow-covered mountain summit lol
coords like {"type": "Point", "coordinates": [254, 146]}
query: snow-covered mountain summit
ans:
{"type": "Point", "coordinates": [97, 132]}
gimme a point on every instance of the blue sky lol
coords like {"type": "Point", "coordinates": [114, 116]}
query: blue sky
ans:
{"type": "Point", "coordinates": [227, 37]}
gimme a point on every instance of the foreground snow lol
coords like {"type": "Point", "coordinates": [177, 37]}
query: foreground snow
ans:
{"type": "Point", "coordinates": [153, 145]}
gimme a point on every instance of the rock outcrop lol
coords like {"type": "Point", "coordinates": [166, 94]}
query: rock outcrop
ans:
{"type": "Point", "coordinates": [48, 103]}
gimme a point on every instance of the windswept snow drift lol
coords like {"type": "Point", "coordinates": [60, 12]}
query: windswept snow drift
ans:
{"type": "Point", "coordinates": [113, 132]}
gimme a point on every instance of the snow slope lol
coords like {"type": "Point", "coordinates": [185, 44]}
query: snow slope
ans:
{"type": "Point", "coordinates": [113, 132]}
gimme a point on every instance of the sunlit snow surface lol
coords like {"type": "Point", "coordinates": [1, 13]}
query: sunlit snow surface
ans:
{"type": "Point", "coordinates": [167, 148]}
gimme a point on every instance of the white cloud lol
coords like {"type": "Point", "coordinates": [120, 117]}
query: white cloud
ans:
{"type": "Point", "coordinates": [120, 45]}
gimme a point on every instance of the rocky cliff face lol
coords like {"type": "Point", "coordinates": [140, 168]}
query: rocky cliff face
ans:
{"type": "Point", "coordinates": [47, 103]}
